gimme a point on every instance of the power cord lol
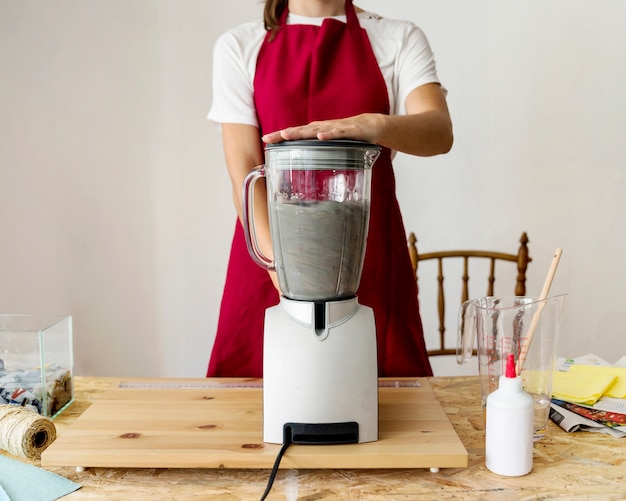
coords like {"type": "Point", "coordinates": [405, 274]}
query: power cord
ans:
{"type": "Point", "coordinates": [281, 453]}
{"type": "Point", "coordinates": [313, 434]}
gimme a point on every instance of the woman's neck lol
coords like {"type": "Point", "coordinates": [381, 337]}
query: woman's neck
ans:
{"type": "Point", "coordinates": [317, 8]}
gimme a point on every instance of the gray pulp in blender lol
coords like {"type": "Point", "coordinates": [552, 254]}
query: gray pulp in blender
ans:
{"type": "Point", "coordinates": [319, 247]}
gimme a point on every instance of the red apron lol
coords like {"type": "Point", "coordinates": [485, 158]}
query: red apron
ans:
{"type": "Point", "coordinates": [317, 73]}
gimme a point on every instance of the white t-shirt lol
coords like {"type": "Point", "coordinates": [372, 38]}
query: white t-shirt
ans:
{"type": "Point", "coordinates": [401, 49]}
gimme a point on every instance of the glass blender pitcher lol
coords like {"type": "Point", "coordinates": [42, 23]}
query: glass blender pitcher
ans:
{"type": "Point", "coordinates": [318, 201]}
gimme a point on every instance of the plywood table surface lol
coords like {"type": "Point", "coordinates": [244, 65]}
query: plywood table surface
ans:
{"type": "Point", "coordinates": [567, 466]}
{"type": "Point", "coordinates": [174, 423]}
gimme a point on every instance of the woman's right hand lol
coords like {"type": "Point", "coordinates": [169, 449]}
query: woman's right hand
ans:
{"type": "Point", "coordinates": [243, 152]}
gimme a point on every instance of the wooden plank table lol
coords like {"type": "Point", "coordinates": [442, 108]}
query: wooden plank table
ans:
{"type": "Point", "coordinates": [566, 466]}
{"type": "Point", "coordinates": [218, 423]}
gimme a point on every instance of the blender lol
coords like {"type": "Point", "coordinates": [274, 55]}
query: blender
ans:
{"type": "Point", "coordinates": [320, 370]}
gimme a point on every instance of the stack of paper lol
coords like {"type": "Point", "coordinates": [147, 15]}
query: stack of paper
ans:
{"type": "Point", "coordinates": [590, 394]}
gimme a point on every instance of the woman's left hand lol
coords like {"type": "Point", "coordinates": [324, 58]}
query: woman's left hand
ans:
{"type": "Point", "coordinates": [364, 127]}
{"type": "Point", "coordinates": [425, 130]}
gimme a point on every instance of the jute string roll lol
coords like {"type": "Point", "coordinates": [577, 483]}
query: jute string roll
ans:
{"type": "Point", "coordinates": [24, 432]}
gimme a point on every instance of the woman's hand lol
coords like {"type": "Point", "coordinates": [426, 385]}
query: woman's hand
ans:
{"type": "Point", "coordinates": [242, 151]}
{"type": "Point", "coordinates": [363, 127]}
{"type": "Point", "coordinates": [425, 130]}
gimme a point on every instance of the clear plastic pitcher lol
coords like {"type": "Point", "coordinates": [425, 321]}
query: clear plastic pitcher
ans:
{"type": "Point", "coordinates": [318, 199]}
{"type": "Point", "coordinates": [503, 325]}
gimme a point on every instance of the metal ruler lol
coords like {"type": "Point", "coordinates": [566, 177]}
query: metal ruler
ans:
{"type": "Point", "coordinates": [256, 383]}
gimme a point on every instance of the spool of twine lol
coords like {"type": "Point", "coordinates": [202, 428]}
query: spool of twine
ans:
{"type": "Point", "coordinates": [24, 432]}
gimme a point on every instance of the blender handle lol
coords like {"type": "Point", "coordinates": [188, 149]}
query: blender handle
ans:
{"type": "Point", "coordinates": [247, 216]}
{"type": "Point", "coordinates": [466, 332]}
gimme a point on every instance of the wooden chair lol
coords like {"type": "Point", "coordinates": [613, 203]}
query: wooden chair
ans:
{"type": "Point", "coordinates": [521, 259]}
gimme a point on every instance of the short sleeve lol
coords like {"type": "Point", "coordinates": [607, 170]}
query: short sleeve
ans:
{"type": "Point", "coordinates": [415, 65]}
{"type": "Point", "coordinates": [234, 57]}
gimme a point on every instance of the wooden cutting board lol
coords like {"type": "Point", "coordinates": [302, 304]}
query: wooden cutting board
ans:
{"type": "Point", "coordinates": [218, 423]}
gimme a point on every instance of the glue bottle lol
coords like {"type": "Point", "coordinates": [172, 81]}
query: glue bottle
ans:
{"type": "Point", "coordinates": [509, 426]}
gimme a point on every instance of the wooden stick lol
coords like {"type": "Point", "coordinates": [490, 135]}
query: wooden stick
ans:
{"type": "Point", "coordinates": [535, 320]}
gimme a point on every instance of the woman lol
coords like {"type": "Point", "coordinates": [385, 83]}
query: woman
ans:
{"type": "Point", "coordinates": [328, 70]}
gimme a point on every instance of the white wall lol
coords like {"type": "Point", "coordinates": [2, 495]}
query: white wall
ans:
{"type": "Point", "coordinates": [115, 204]}
{"type": "Point", "coordinates": [539, 106]}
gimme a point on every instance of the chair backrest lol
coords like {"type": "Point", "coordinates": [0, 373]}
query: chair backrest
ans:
{"type": "Point", "coordinates": [521, 259]}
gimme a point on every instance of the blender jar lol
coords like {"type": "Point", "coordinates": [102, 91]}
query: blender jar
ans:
{"type": "Point", "coordinates": [318, 198]}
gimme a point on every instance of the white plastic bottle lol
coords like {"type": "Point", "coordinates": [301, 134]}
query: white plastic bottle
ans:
{"type": "Point", "coordinates": [509, 426]}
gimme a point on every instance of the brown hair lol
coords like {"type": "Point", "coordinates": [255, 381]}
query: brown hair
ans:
{"type": "Point", "coordinates": [271, 15]}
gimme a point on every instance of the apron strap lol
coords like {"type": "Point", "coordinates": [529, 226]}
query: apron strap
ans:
{"type": "Point", "coordinates": [352, 19]}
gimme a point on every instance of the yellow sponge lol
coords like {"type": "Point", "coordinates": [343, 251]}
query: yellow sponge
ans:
{"type": "Point", "coordinates": [580, 387]}
{"type": "Point", "coordinates": [617, 389]}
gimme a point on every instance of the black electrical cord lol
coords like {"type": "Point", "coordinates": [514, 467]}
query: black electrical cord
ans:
{"type": "Point", "coordinates": [281, 453]}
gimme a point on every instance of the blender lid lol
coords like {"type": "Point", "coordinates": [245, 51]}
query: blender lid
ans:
{"type": "Point", "coordinates": [316, 143]}
{"type": "Point", "coordinates": [313, 154]}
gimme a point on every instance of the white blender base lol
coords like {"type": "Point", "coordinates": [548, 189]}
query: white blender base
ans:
{"type": "Point", "coordinates": [320, 378]}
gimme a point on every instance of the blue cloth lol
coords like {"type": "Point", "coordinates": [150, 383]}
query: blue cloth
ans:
{"type": "Point", "coordinates": [24, 482]}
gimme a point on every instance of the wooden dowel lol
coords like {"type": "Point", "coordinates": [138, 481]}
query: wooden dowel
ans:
{"type": "Point", "coordinates": [535, 320]}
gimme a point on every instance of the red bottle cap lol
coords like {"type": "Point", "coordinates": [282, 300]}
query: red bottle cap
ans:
{"type": "Point", "coordinates": [510, 366]}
